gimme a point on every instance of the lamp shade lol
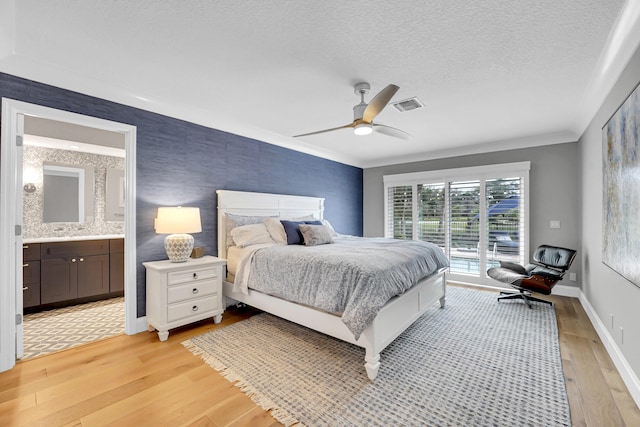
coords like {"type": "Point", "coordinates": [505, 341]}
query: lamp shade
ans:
{"type": "Point", "coordinates": [176, 220]}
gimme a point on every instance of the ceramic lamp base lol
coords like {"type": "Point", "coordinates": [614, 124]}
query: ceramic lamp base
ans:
{"type": "Point", "coordinates": [178, 247]}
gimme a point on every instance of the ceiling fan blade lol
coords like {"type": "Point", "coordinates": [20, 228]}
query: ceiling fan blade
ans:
{"type": "Point", "coordinates": [388, 130]}
{"type": "Point", "coordinates": [378, 103]}
{"type": "Point", "coordinates": [350, 125]}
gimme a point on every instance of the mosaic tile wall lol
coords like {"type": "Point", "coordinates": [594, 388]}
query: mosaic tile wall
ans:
{"type": "Point", "coordinates": [33, 203]}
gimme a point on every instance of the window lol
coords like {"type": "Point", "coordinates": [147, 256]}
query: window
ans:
{"type": "Point", "coordinates": [431, 218]}
{"type": "Point", "coordinates": [401, 212]}
{"type": "Point", "coordinates": [478, 216]}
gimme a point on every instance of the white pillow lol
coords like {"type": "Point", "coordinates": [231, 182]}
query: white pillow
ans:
{"type": "Point", "coordinates": [251, 234]}
{"type": "Point", "coordinates": [309, 217]}
{"type": "Point", "coordinates": [232, 221]}
{"type": "Point", "coordinates": [276, 230]}
{"type": "Point", "coordinates": [330, 227]}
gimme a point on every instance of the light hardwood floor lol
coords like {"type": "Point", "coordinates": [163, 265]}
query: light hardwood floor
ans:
{"type": "Point", "coordinates": [137, 380]}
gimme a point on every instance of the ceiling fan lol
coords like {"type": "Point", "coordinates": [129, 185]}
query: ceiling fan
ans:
{"type": "Point", "coordinates": [363, 114]}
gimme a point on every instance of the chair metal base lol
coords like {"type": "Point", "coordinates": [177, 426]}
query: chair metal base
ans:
{"type": "Point", "coordinates": [526, 297]}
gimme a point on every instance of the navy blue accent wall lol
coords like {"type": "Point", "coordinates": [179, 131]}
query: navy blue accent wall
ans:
{"type": "Point", "coordinates": [181, 163]}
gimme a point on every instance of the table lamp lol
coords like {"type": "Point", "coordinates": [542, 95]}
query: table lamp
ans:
{"type": "Point", "coordinates": [177, 222]}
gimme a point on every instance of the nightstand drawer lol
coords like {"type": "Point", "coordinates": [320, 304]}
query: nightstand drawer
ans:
{"type": "Point", "coordinates": [191, 290]}
{"type": "Point", "coordinates": [178, 277]}
{"type": "Point", "coordinates": [191, 308]}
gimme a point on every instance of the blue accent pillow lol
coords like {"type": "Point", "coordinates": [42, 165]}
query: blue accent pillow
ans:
{"type": "Point", "coordinates": [294, 236]}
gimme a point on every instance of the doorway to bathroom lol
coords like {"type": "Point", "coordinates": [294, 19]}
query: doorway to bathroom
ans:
{"type": "Point", "coordinates": [99, 222]}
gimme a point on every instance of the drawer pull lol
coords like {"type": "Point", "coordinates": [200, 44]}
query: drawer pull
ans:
{"type": "Point", "coordinates": [26, 264]}
{"type": "Point", "coordinates": [194, 308]}
{"type": "Point", "coordinates": [73, 260]}
{"type": "Point", "coordinates": [195, 291]}
{"type": "Point", "coordinates": [26, 288]}
{"type": "Point", "coordinates": [195, 276]}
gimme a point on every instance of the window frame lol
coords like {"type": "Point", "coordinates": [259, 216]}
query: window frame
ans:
{"type": "Point", "coordinates": [446, 176]}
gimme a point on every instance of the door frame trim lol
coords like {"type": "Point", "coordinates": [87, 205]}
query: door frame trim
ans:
{"type": "Point", "coordinates": [10, 183]}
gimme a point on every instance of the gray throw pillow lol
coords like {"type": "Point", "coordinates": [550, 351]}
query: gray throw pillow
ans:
{"type": "Point", "coordinates": [315, 234]}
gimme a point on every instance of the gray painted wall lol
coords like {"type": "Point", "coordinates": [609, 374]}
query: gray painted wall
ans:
{"type": "Point", "coordinates": [554, 185]}
{"type": "Point", "coordinates": [608, 292]}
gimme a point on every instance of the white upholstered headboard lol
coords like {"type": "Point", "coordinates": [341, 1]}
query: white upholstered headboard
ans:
{"type": "Point", "coordinates": [263, 204]}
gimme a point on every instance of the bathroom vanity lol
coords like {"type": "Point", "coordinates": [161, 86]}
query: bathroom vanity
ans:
{"type": "Point", "coordinates": [71, 271]}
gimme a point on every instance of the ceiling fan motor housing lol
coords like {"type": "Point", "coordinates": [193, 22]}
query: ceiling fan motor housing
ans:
{"type": "Point", "coordinates": [358, 110]}
{"type": "Point", "coordinates": [360, 89]}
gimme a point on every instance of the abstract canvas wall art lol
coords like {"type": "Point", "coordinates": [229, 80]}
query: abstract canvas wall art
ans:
{"type": "Point", "coordinates": [621, 190]}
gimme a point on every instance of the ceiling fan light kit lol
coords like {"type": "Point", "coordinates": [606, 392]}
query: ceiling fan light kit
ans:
{"type": "Point", "coordinates": [363, 129]}
{"type": "Point", "coordinates": [363, 114]}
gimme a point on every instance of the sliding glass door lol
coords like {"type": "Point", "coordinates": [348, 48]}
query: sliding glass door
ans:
{"type": "Point", "coordinates": [478, 216]}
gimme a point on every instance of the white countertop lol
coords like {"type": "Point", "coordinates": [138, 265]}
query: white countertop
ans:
{"type": "Point", "coordinates": [72, 238]}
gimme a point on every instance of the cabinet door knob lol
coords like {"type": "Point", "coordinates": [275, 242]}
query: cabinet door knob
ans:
{"type": "Point", "coordinates": [26, 288]}
{"type": "Point", "coordinates": [194, 308]}
{"type": "Point", "coordinates": [195, 291]}
{"type": "Point", "coordinates": [25, 246]}
{"type": "Point", "coordinates": [81, 259]}
{"type": "Point", "coordinates": [195, 275]}
{"type": "Point", "coordinates": [26, 264]}
{"type": "Point", "coordinates": [73, 260]}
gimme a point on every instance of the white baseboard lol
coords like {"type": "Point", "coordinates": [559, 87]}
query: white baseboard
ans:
{"type": "Point", "coordinates": [567, 291]}
{"type": "Point", "coordinates": [628, 376]}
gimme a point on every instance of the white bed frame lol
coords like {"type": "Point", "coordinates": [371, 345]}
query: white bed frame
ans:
{"type": "Point", "coordinates": [396, 316]}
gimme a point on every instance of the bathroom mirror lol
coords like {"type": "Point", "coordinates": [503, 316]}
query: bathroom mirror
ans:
{"type": "Point", "coordinates": [68, 193]}
{"type": "Point", "coordinates": [114, 209]}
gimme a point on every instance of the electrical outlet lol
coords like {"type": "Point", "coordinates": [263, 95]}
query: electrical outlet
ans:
{"type": "Point", "coordinates": [572, 277]}
{"type": "Point", "coordinates": [554, 224]}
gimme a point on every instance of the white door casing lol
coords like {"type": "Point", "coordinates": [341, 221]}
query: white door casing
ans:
{"type": "Point", "coordinates": [18, 237]}
{"type": "Point", "coordinates": [11, 217]}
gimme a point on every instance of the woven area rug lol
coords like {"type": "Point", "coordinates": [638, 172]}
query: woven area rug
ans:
{"type": "Point", "coordinates": [54, 330]}
{"type": "Point", "coordinates": [476, 362]}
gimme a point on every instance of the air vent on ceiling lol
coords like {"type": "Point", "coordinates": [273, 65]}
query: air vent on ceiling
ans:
{"type": "Point", "coordinates": [408, 104]}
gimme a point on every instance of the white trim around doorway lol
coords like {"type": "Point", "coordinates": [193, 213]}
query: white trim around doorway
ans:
{"type": "Point", "coordinates": [10, 183]}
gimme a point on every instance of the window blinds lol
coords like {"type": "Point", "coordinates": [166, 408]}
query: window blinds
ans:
{"type": "Point", "coordinates": [477, 215]}
{"type": "Point", "coordinates": [400, 212]}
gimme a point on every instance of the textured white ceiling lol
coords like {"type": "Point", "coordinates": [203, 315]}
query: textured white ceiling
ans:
{"type": "Point", "coordinates": [494, 74]}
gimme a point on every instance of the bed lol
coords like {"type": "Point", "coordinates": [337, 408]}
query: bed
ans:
{"type": "Point", "coordinates": [389, 322]}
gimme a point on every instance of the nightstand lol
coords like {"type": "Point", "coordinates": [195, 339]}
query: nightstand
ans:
{"type": "Point", "coordinates": [179, 293]}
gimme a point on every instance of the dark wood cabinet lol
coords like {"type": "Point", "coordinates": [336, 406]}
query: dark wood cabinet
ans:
{"type": "Point", "coordinates": [63, 273]}
{"type": "Point", "coordinates": [116, 265]}
{"type": "Point", "coordinates": [59, 280]}
{"type": "Point", "coordinates": [74, 270]}
{"type": "Point", "coordinates": [31, 275]}
{"type": "Point", "coordinates": [93, 275]}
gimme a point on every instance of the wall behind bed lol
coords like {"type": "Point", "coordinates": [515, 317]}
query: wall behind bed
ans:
{"type": "Point", "coordinates": [182, 163]}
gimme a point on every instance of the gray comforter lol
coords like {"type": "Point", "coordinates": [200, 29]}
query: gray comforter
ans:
{"type": "Point", "coordinates": [354, 276]}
